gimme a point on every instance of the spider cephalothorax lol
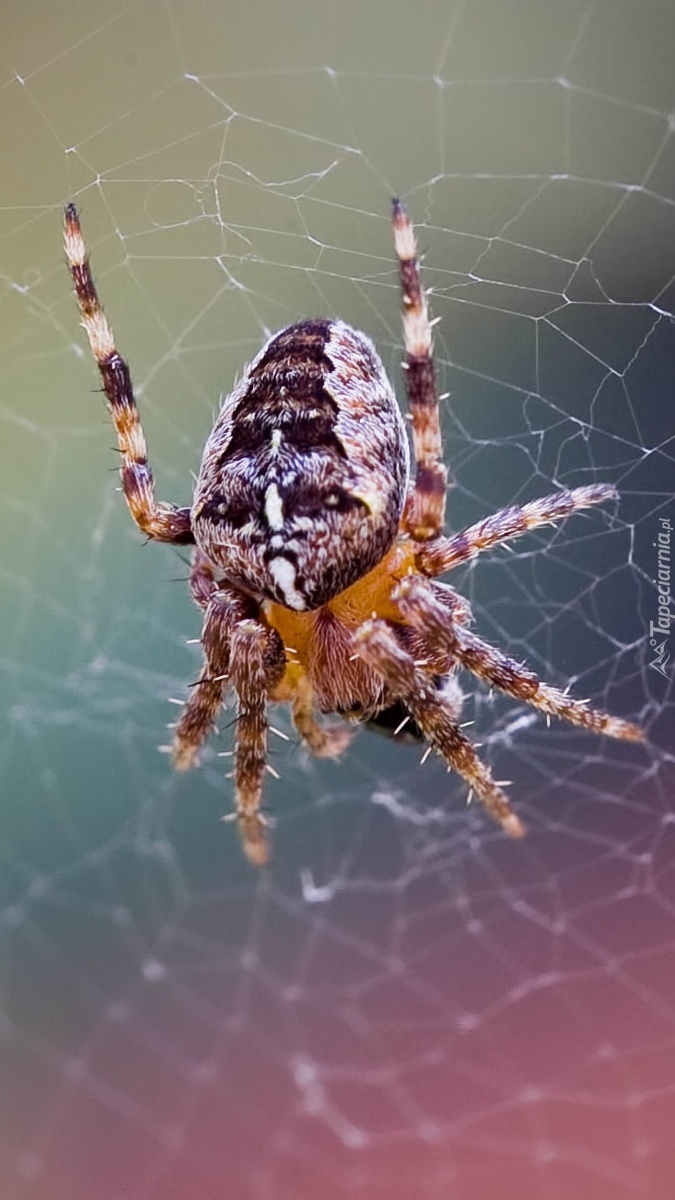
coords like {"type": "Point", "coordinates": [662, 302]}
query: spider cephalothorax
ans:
{"type": "Point", "coordinates": [315, 561]}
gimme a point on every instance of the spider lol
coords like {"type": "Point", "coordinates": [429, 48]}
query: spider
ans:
{"type": "Point", "coordinates": [316, 559]}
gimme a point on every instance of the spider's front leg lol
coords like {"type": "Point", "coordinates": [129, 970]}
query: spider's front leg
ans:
{"type": "Point", "coordinates": [376, 643]}
{"type": "Point", "coordinates": [224, 607]}
{"type": "Point", "coordinates": [257, 665]}
{"type": "Point", "coordinates": [325, 741]}
{"type": "Point", "coordinates": [424, 611]}
{"type": "Point", "coordinates": [243, 651]}
{"type": "Point", "coordinates": [163, 522]}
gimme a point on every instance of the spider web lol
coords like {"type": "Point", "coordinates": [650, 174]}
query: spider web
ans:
{"type": "Point", "coordinates": [405, 1004]}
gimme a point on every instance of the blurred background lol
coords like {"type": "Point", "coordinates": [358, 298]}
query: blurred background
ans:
{"type": "Point", "coordinates": [405, 1003]}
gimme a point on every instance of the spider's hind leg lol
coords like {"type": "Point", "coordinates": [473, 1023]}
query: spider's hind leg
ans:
{"type": "Point", "coordinates": [425, 509]}
{"type": "Point", "coordinates": [163, 522]}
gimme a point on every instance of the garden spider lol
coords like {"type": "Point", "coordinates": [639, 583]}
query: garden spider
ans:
{"type": "Point", "coordinates": [315, 560]}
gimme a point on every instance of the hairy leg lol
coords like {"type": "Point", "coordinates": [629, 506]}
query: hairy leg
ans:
{"type": "Point", "coordinates": [425, 510]}
{"type": "Point", "coordinates": [444, 553]}
{"type": "Point", "coordinates": [376, 643]}
{"type": "Point", "coordinates": [257, 664]}
{"type": "Point", "coordinates": [163, 522]}
{"type": "Point", "coordinates": [326, 741]}
{"type": "Point", "coordinates": [222, 610]}
{"type": "Point", "coordinates": [421, 608]}
{"type": "Point", "coordinates": [202, 578]}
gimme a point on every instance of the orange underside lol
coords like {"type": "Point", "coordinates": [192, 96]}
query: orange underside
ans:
{"type": "Point", "coordinates": [370, 596]}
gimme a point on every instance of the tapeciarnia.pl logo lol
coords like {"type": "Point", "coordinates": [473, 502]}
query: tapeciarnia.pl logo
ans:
{"type": "Point", "coordinates": [665, 616]}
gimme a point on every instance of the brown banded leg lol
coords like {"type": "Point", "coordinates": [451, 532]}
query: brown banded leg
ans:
{"type": "Point", "coordinates": [377, 645]}
{"type": "Point", "coordinates": [202, 578]}
{"type": "Point", "coordinates": [444, 553]}
{"type": "Point", "coordinates": [425, 510]}
{"type": "Point", "coordinates": [164, 522]}
{"type": "Point", "coordinates": [223, 609]}
{"type": "Point", "coordinates": [326, 741]}
{"type": "Point", "coordinates": [257, 663]}
{"type": "Point", "coordinates": [421, 609]}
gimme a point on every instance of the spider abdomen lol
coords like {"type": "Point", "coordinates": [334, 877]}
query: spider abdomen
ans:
{"type": "Point", "coordinates": [305, 473]}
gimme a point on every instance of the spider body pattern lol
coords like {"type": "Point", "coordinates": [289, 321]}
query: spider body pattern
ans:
{"type": "Point", "coordinates": [304, 476]}
{"type": "Point", "coordinates": [317, 553]}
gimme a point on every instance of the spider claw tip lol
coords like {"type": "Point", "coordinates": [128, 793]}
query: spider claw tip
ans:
{"type": "Point", "coordinates": [513, 826]}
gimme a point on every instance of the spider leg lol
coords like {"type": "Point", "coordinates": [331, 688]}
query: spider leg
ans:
{"type": "Point", "coordinates": [202, 578]}
{"type": "Point", "coordinates": [425, 510]}
{"type": "Point", "coordinates": [420, 607]}
{"type": "Point", "coordinates": [444, 553]}
{"type": "Point", "coordinates": [326, 741]}
{"type": "Point", "coordinates": [257, 664]}
{"type": "Point", "coordinates": [376, 643]}
{"type": "Point", "coordinates": [222, 610]}
{"type": "Point", "coordinates": [163, 522]}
